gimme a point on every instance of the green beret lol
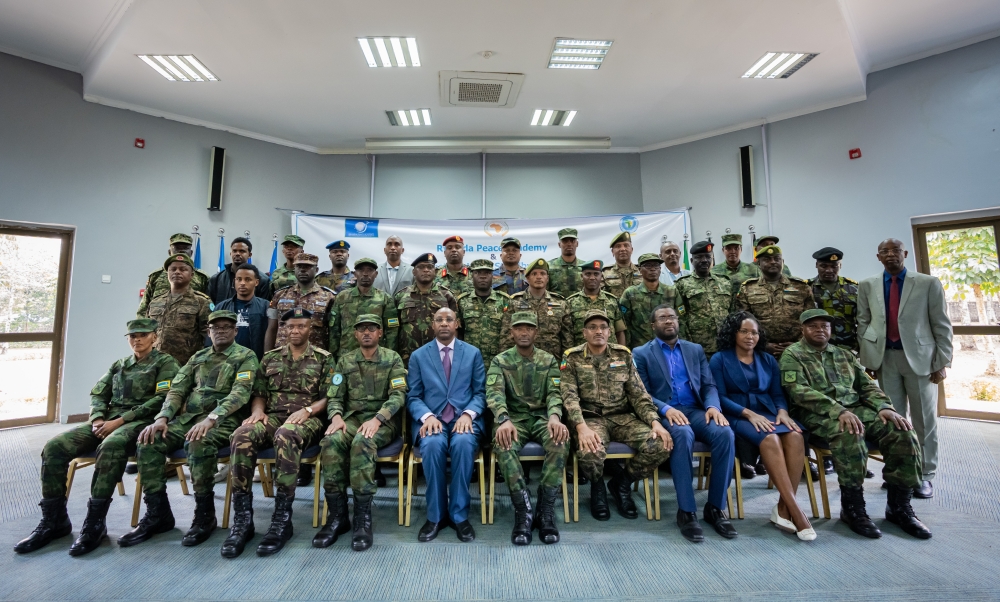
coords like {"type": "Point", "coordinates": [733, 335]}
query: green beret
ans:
{"type": "Point", "coordinates": [538, 264]}
{"type": "Point", "coordinates": [621, 237]}
{"type": "Point", "coordinates": [366, 261]}
{"type": "Point", "coordinates": [296, 313]}
{"type": "Point", "coordinates": [178, 257]}
{"type": "Point", "coordinates": [180, 237]}
{"type": "Point", "coordinates": [222, 314]}
{"type": "Point", "coordinates": [811, 314]}
{"type": "Point", "coordinates": [481, 264]}
{"type": "Point", "coordinates": [594, 314]}
{"type": "Point", "coordinates": [732, 239]}
{"type": "Point", "coordinates": [592, 266]}
{"type": "Point", "coordinates": [368, 319]}
{"type": "Point", "coordinates": [769, 250]}
{"type": "Point", "coordinates": [295, 240]}
{"type": "Point", "coordinates": [649, 257]}
{"type": "Point", "coordinates": [568, 233]}
{"type": "Point", "coordinates": [524, 317]}
{"type": "Point", "coordinates": [510, 240]}
{"type": "Point", "coordinates": [141, 325]}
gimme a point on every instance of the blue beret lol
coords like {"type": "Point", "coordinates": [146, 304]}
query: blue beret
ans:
{"type": "Point", "coordinates": [339, 244]}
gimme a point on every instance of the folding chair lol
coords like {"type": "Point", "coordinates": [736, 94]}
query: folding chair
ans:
{"type": "Point", "coordinates": [618, 451]}
{"type": "Point", "coordinates": [83, 462]}
{"type": "Point", "coordinates": [416, 458]}
{"type": "Point", "coordinates": [702, 451]}
{"type": "Point", "coordinates": [822, 449]}
{"type": "Point", "coordinates": [176, 461]}
{"type": "Point", "coordinates": [530, 452]}
{"type": "Point", "coordinates": [809, 485]}
{"type": "Point", "coordinates": [265, 464]}
{"type": "Point", "coordinates": [394, 453]}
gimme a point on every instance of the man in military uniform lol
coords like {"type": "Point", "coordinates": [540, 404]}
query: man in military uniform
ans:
{"type": "Point", "coordinates": [594, 297]}
{"type": "Point", "coordinates": [555, 322]}
{"type": "Point", "coordinates": [703, 299]}
{"type": "Point", "coordinates": [157, 284]}
{"type": "Point", "coordinates": [509, 277]}
{"type": "Point", "coordinates": [838, 296]}
{"type": "Point", "coordinates": [733, 267]}
{"type": "Point", "coordinates": [767, 241]}
{"type": "Point", "coordinates": [122, 403]}
{"type": "Point", "coordinates": [623, 273]}
{"type": "Point", "coordinates": [605, 401]}
{"type": "Point", "coordinates": [182, 314]}
{"type": "Point", "coordinates": [522, 391]}
{"type": "Point", "coordinates": [364, 400]}
{"type": "Point", "coordinates": [416, 305]}
{"type": "Point", "coordinates": [339, 277]}
{"type": "Point", "coordinates": [776, 300]}
{"type": "Point", "coordinates": [207, 401]}
{"type": "Point", "coordinates": [284, 274]}
{"type": "Point", "coordinates": [289, 394]}
{"type": "Point", "coordinates": [481, 311]}
{"type": "Point", "coordinates": [829, 392]}
{"type": "Point", "coordinates": [454, 274]}
{"type": "Point", "coordinates": [307, 294]}
{"type": "Point", "coordinates": [565, 276]}
{"type": "Point", "coordinates": [361, 299]}
{"type": "Point", "coordinates": [638, 301]}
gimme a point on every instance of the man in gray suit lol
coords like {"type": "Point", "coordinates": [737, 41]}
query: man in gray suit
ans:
{"type": "Point", "coordinates": [393, 275]}
{"type": "Point", "coordinates": [905, 336]}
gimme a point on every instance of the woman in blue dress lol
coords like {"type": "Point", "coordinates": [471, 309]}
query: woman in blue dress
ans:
{"type": "Point", "coordinates": [748, 379]}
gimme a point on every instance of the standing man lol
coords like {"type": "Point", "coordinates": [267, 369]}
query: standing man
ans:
{"type": "Point", "coordinates": [565, 277]}
{"type": "Point", "coordinates": [623, 273]}
{"type": "Point", "coordinates": [416, 306]}
{"type": "Point", "coordinates": [906, 337]}
{"type": "Point", "coordinates": [734, 268]}
{"type": "Point", "coordinates": [776, 300]}
{"type": "Point", "coordinates": [221, 285]}
{"type": "Point", "coordinates": [670, 253]}
{"type": "Point", "coordinates": [767, 241]}
{"type": "Point", "coordinates": [838, 296]}
{"type": "Point", "coordinates": [360, 300]}
{"type": "Point", "coordinates": [308, 295]}
{"type": "Point", "coordinates": [454, 274]}
{"type": "Point", "coordinates": [638, 301]}
{"type": "Point", "coordinates": [157, 284]}
{"type": "Point", "coordinates": [250, 310]}
{"type": "Point", "coordinates": [555, 322]}
{"type": "Point", "coordinates": [181, 315]}
{"type": "Point", "coordinates": [393, 275]}
{"type": "Point", "coordinates": [703, 299]}
{"type": "Point", "coordinates": [605, 401]}
{"type": "Point", "coordinates": [509, 277]}
{"type": "Point", "coordinates": [446, 399]}
{"type": "Point", "coordinates": [339, 277]}
{"type": "Point", "coordinates": [284, 274]}
{"type": "Point", "coordinates": [522, 391]}
{"type": "Point", "coordinates": [594, 297]}
{"type": "Point", "coordinates": [481, 312]}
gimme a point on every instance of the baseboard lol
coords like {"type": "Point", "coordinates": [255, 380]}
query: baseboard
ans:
{"type": "Point", "coordinates": [77, 418]}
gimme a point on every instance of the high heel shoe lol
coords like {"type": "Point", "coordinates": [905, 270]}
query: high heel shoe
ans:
{"type": "Point", "coordinates": [782, 523]}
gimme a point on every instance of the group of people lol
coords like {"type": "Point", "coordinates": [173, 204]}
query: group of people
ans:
{"type": "Point", "coordinates": [570, 354]}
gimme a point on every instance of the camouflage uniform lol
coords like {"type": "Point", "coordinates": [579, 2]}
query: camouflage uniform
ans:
{"type": "Point", "coordinates": [287, 385]}
{"type": "Point", "coordinates": [318, 300]}
{"type": "Point", "coordinates": [482, 321]}
{"type": "Point", "coordinates": [131, 390]}
{"type": "Point", "coordinates": [218, 382]}
{"type": "Point", "coordinates": [157, 285]}
{"type": "Point", "coordinates": [182, 323]}
{"type": "Point", "coordinates": [565, 279]}
{"type": "Point", "coordinates": [743, 272]}
{"type": "Point", "coordinates": [360, 389]}
{"type": "Point", "coordinates": [555, 322]}
{"type": "Point", "coordinates": [777, 305]}
{"type": "Point", "coordinates": [637, 304]}
{"type": "Point", "coordinates": [457, 282]}
{"type": "Point", "coordinates": [527, 390]}
{"type": "Point", "coordinates": [820, 385]}
{"type": "Point", "coordinates": [842, 304]}
{"type": "Point", "coordinates": [282, 277]}
{"type": "Point", "coordinates": [348, 306]}
{"type": "Point", "coordinates": [509, 284]}
{"type": "Point", "coordinates": [617, 279]}
{"type": "Point", "coordinates": [579, 304]}
{"type": "Point", "coordinates": [334, 282]}
{"type": "Point", "coordinates": [416, 312]}
{"type": "Point", "coordinates": [606, 392]}
{"type": "Point", "coordinates": [702, 305]}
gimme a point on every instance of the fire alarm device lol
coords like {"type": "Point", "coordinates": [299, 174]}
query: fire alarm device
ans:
{"type": "Point", "coordinates": [854, 153]}
{"type": "Point", "coordinates": [140, 143]}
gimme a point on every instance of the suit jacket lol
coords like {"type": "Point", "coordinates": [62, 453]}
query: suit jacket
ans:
{"type": "Point", "coordinates": [734, 389]}
{"type": "Point", "coordinates": [655, 374]}
{"type": "Point", "coordinates": [466, 390]}
{"type": "Point", "coordinates": [403, 279]}
{"type": "Point", "coordinates": [924, 326]}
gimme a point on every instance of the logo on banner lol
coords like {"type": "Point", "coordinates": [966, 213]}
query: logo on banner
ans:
{"type": "Point", "coordinates": [496, 228]}
{"type": "Point", "coordinates": [360, 228]}
{"type": "Point", "coordinates": [629, 224]}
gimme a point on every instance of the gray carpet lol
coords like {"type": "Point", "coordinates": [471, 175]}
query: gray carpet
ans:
{"type": "Point", "coordinates": [616, 560]}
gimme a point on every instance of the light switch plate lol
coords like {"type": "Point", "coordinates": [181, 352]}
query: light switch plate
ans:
{"type": "Point", "coordinates": [106, 279]}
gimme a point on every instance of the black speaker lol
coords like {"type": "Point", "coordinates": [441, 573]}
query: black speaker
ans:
{"type": "Point", "coordinates": [216, 175]}
{"type": "Point", "coordinates": [746, 176]}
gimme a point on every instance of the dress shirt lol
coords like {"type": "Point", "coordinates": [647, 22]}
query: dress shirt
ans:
{"type": "Point", "coordinates": [678, 375]}
{"type": "Point", "coordinates": [886, 286]}
{"type": "Point", "coordinates": [390, 275]}
{"type": "Point", "coordinates": [441, 348]}
{"type": "Point", "coordinates": [668, 277]}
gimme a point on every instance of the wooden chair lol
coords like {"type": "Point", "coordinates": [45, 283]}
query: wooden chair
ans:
{"type": "Point", "coordinates": [822, 449]}
{"type": "Point", "coordinates": [394, 453]}
{"type": "Point", "coordinates": [176, 461]}
{"type": "Point", "coordinates": [809, 486]}
{"type": "Point", "coordinates": [416, 458]}
{"type": "Point", "coordinates": [530, 452]}
{"type": "Point", "coordinates": [265, 465]}
{"type": "Point", "coordinates": [83, 462]}
{"type": "Point", "coordinates": [702, 451]}
{"type": "Point", "coordinates": [618, 451]}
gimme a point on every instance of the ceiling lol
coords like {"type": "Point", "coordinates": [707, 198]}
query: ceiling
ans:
{"type": "Point", "coordinates": [291, 71]}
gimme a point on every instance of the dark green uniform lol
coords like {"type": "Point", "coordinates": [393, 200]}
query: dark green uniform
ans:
{"type": "Point", "coordinates": [617, 279]}
{"type": "Point", "coordinates": [334, 282]}
{"type": "Point", "coordinates": [740, 274]}
{"type": "Point", "coordinates": [416, 312]}
{"type": "Point", "coordinates": [282, 277]}
{"type": "Point", "coordinates": [182, 323]}
{"type": "Point", "coordinates": [316, 299]}
{"type": "Point", "coordinates": [350, 304]}
{"type": "Point", "coordinates": [482, 321]}
{"type": "Point", "coordinates": [457, 281]}
{"type": "Point", "coordinates": [637, 305]}
{"type": "Point", "coordinates": [840, 301]}
{"type": "Point", "coordinates": [776, 305]}
{"type": "Point", "coordinates": [157, 285]}
{"type": "Point", "coordinates": [702, 306]}
{"type": "Point", "coordinates": [555, 322]}
{"type": "Point", "coordinates": [565, 279]}
{"type": "Point", "coordinates": [579, 304]}
{"type": "Point", "coordinates": [509, 283]}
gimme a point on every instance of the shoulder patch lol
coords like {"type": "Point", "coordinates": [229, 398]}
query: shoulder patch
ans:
{"type": "Point", "coordinates": [337, 379]}
{"type": "Point", "coordinates": [201, 294]}
{"type": "Point", "coordinates": [248, 375]}
{"type": "Point", "coordinates": [392, 322]}
{"type": "Point", "coordinates": [555, 381]}
{"type": "Point", "coordinates": [789, 376]}
{"type": "Point", "coordinates": [492, 379]}
{"type": "Point", "coordinates": [848, 280]}
{"type": "Point", "coordinates": [680, 310]}
{"type": "Point", "coordinates": [396, 383]}
{"type": "Point", "coordinates": [163, 385]}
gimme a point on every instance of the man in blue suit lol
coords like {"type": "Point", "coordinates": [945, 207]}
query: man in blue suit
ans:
{"type": "Point", "coordinates": [677, 376]}
{"type": "Point", "coordinates": [446, 400]}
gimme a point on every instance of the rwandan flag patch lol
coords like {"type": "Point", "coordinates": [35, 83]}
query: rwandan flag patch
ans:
{"type": "Point", "coordinates": [392, 322]}
{"type": "Point", "coordinates": [397, 383]}
{"type": "Point", "coordinates": [163, 385]}
{"type": "Point", "coordinates": [244, 375]}
{"type": "Point", "coordinates": [555, 381]}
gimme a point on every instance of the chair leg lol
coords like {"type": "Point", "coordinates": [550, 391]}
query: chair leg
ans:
{"type": "Point", "coordinates": [70, 475]}
{"type": "Point", "coordinates": [701, 472]}
{"type": "Point", "coordinates": [482, 486]}
{"type": "Point", "coordinates": [316, 479]}
{"type": "Point", "coordinates": [227, 499]}
{"type": "Point", "coordinates": [576, 491]}
{"type": "Point", "coordinates": [822, 483]}
{"type": "Point", "coordinates": [729, 501]}
{"type": "Point", "coordinates": [137, 500]}
{"type": "Point", "coordinates": [739, 487]}
{"type": "Point", "coordinates": [656, 491]}
{"type": "Point", "coordinates": [182, 479]}
{"type": "Point", "coordinates": [121, 488]}
{"type": "Point", "coordinates": [565, 492]}
{"type": "Point", "coordinates": [409, 491]}
{"type": "Point", "coordinates": [399, 469]}
{"type": "Point", "coordinates": [810, 488]}
{"type": "Point", "coordinates": [493, 482]}
{"type": "Point", "coordinates": [649, 501]}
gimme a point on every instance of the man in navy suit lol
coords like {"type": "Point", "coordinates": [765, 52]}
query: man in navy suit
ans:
{"type": "Point", "coordinates": [677, 376]}
{"type": "Point", "coordinates": [446, 400]}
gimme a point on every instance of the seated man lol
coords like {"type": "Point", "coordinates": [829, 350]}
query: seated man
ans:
{"type": "Point", "coordinates": [365, 397]}
{"type": "Point", "coordinates": [122, 403]}
{"type": "Point", "coordinates": [831, 395]}
{"type": "Point", "coordinates": [522, 390]}
{"type": "Point", "coordinates": [289, 392]}
{"type": "Point", "coordinates": [676, 374]}
{"type": "Point", "coordinates": [207, 401]}
{"type": "Point", "coordinates": [605, 401]}
{"type": "Point", "coordinates": [446, 399]}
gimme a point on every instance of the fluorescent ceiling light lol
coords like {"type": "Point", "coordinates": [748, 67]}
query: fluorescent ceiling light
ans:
{"type": "Point", "coordinates": [427, 116]}
{"type": "Point", "coordinates": [771, 65]}
{"type": "Point", "coordinates": [178, 67]}
{"type": "Point", "coordinates": [397, 49]}
{"type": "Point", "coordinates": [552, 117]}
{"type": "Point", "coordinates": [401, 56]}
{"type": "Point", "coordinates": [572, 66]}
{"type": "Point", "coordinates": [156, 66]}
{"type": "Point", "coordinates": [170, 67]}
{"type": "Point", "coordinates": [187, 69]}
{"type": "Point", "coordinates": [408, 117]}
{"type": "Point", "coordinates": [204, 71]}
{"type": "Point", "coordinates": [570, 53]}
{"type": "Point", "coordinates": [475, 145]}
{"type": "Point", "coordinates": [383, 54]}
{"type": "Point", "coordinates": [367, 49]}
{"type": "Point", "coordinates": [795, 58]}
{"type": "Point", "coordinates": [779, 65]}
{"type": "Point", "coordinates": [411, 45]}
{"type": "Point", "coordinates": [537, 115]}
{"type": "Point", "coordinates": [569, 118]}
{"type": "Point", "coordinates": [414, 117]}
{"type": "Point", "coordinates": [402, 117]}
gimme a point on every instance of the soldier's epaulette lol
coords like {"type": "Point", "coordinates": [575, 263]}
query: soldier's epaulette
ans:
{"type": "Point", "coordinates": [620, 347]}
{"type": "Point", "coordinates": [848, 280]}
{"type": "Point", "coordinates": [328, 290]}
{"type": "Point", "coordinates": [155, 273]}
{"type": "Point", "coordinates": [577, 349]}
{"type": "Point", "coordinates": [283, 288]}
{"type": "Point", "coordinates": [686, 276]}
{"type": "Point", "coordinates": [502, 293]}
{"type": "Point", "coordinates": [322, 351]}
{"type": "Point", "coordinates": [276, 349]}
{"type": "Point", "coordinates": [797, 279]}
{"type": "Point", "coordinates": [517, 295]}
{"type": "Point", "coordinates": [556, 295]}
{"type": "Point", "coordinates": [750, 281]}
{"type": "Point", "coordinates": [197, 293]}
{"type": "Point", "coordinates": [577, 293]}
{"type": "Point", "coordinates": [463, 295]}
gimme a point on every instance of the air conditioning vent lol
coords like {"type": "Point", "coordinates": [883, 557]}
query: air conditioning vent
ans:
{"type": "Point", "coordinates": [475, 89]}
{"type": "Point", "coordinates": [469, 92]}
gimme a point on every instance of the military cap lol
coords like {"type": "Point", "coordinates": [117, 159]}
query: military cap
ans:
{"type": "Point", "coordinates": [812, 314]}
{"type": "Point", "coordinates": [141, 325]}
{"type": "Point", "coordinates": [568, 233]}
{"type": "Point", "coordinates": [621, 237]}
{"type": "Point", "coordinates": [306, 258]}
{"type": "Point", "coordinates": [339, 244]}
{"type": "Point", "coordinates": [769, 250]}
{"type": "Point", "coordinates": [828, 254]}
{"type": "Point", "coordinates": [365, 261]}
{"type": "Point", "coordinates": [295, 240]}
{"type": "Point", "coordinates": [425, 258]}
{"type": "Point", "coordinates": [222, 314]}
{"type": "Point", "coordinates": [368, 319]}
{"type": "Point", "coordinates": [182, 238]}
{"type": "Point", "coordinates": [770, 237]}
{"type": "Point", "coordinates": [538, 264]}
{"type": "Point", "coordinates": [178, 257]}
{"type": "Point", "coordinates": [703, 246]}
{"type": "Point", "coordinates": [592, 266]}
{"type": "Point", "coordinates": [524, 317]}
{"type": "Point", "coordinates": [481, 264]}
{"type": "Point", "coordinates": [510, 240]}
{"type": "Point", "coordinates": [731, 239]}
{"type": "Point", "coordinates": [296, 313]}
{"type": "Point", "coordinates": [453, 238]}
{"type": "Point", "coordinates": [593, 314]}
{"type": "Point", "coordinates": [649, 257]}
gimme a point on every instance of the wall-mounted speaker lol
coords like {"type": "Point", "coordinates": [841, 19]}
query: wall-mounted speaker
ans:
{"type": "Point", "coordinates": [746, 177]}
{"type": "Point", "coordinates": [216, 175]}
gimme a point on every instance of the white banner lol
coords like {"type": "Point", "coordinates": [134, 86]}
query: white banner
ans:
{"type": "Point", "coordinates": [482, 236]}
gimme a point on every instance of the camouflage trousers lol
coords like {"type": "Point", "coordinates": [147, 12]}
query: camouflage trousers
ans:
{"type": "Point", "coordinates": [288, 441]}
{"type": "Point", "coordinates": [900, 449]}
{"type": "Point", "coordinates": [535, 429]}
{"type": "Point", "coordinates": [112, 455]}
{"type": "Point", "coordinates": [627, 429]}
{"type": "Point", "coordinates": [202, 456]}
{"type": "Point", "coordinates": [348, 457]}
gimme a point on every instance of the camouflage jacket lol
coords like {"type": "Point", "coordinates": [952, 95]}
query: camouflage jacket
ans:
{"type": "Point", "coordinates": [616, 279]}
{"type": "Point", "coordinates": [336, 283]}
{"type": "Point", "coordinates": [482, 321]}
{"type": "Point", "coordinates": [524, 388]}
{"type": "Point", "coordinates": [457, 282]}
{"type": "Point", "coordinates": [776, 305]}
{"type": "Point", "coordinates": [842, 304]}
{"type": "Point", "coordinates": [158, 285]}
{"type": "Point", "coordinates": [282, 277]}
{"type": "Point", "coordinates": [605, 385]}
{"type": "Point", "coordinates": [368, 387]}
{"type": "Point", "coordinates": [416, 312]}
{"type": "Point", "coordinates": [745, 271]}
{"type": "Point", "coordinates": [318, 299]}
{"type": "Point", "coordinates": [580, 304]}
{"type": "Point", "coordinates": [181, 323]}
{"type": "Point", "coordinates": [212, 382]}
{"type": "Point", "coordinates": [289, 385]}
{"type": "Point", "coordinates": [637, 304]}
{"type": "Point", "coordinates": [565, 279]}
{"type": "Point", "coordinates": [507, 283]}
{"type": "Point", "coordinates": [555, 322]}
{"type": "Point", "coordinates": [350, 304]}
{"type": "Point", "coordinates": [133, 390]}
{"type": "Point", "coordinates": [702, 306]}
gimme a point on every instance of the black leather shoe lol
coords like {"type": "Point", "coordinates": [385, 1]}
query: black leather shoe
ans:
{"type": "Point", "coordinates": [620, 488]}
{"type": "Point", "coordinates": [55, 523]}
{"type": "Point", "coordinates": [305, 475]}
{"type": "Point", "coordinates": [924, 491]}
{"type": "Point", "coordinates": [898, 511]}
{"type": "Point", "coordinates": [430, 530]}
{"type": "Point", "coordinates": [690, 527]}
{"type": "Point", "coordinates": [853, 512]}
{"type": "Point", "coordinates": [379, 477]}
{"type": "Point", "coordinates": [280, 530]}
{"type": "Point", "coordinates": [95, 528]}
{"type": "Point", "coordinates": [338, 521]}
{"type": "Point", "coordinates": [204, 523]}
{"type": "Point", "coordinates": [828, 465]}
{"type": "Point", "coordinates": [813, 472]}
{"type": "Point", "coordinates": [158, 519]}
{"type": "Point", "coordinates": [362, 539]}
{"type": "Point", "coordinates": [523, 518]}
{"type": "Point", "coordinates": [465, 531]}
{"type": "Point", "coordinates": [747, 471]}
{"type": "Point", "coordinates": [759, 468]}
{"type": "Point", "coordinates": [242, 530]}
{"type": "Point", "coordinates": [869, 474]}
{"type": "Point", "coordinates": [718, 519]}
{"type": "Point", "coordinates": [545, 515]}
{"type": "Point", "coordinates": [599, 500]}
{"type": "Point", "coordinates": [131, 468]}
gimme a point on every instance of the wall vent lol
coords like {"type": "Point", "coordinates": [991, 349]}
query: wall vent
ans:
{"type": "Point", "coordinates": [478, 89]}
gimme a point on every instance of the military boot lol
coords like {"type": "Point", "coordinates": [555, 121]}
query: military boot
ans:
{"type": "Point", "coordinates": [620, 486]}
{"type": "Point", "coordinates": [242, 530]}
{"type": "Point", "coordinates": [899, 512]}
{"type": "Point", "coordinates": [338, 521]}
{"type": "Point", "coordinates": [545, 516]}
{"type": "Point", "coordinates": [523, 517]}
{"type": "Point", "coordinates": [281, 526]}
{"type": "Point", "coordinates": [362, 539]}
{"type": "Point", "coordinates": [95, 527]}
{"type": "Point", "coordinates": [852, 512]}
{"type": "Point", "coordinates": [204, 522]}
{"type": "Point", "coordinates": [55, 523]}
{"type": "Point", "coordinates": [599, 499]}
{"type": "Point", "coordinates": [158, 519]}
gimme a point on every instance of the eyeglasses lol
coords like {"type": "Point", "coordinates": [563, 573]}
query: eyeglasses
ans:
{"type": "Point", "coordinates": [222, 327]}
{"type": "Point", "coordinates": [367, 327]}
{"type": "Point", "coordinates": [597, 328]}
{"type": "Point", "coordinates": [749, 333]}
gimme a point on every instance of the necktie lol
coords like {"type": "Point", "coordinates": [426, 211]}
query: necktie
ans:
{"type": "Point", "coordinates": [892, 320]}
{"type": "Point", "coordinates": [448, 414]}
